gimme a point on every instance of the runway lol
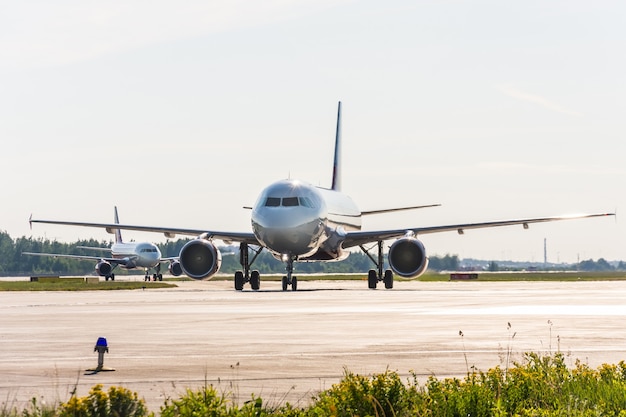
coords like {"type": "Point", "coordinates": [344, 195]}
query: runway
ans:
{"type": "Point", "coordinates": [287, 346]}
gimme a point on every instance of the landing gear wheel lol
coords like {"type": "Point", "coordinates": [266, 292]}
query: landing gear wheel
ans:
{"type": "Point", "coordinates": [146, 278]}
{"type": "Point", "coordinates": [289, 279]}
{"type": "Point", "coordinates": [154, 277]}
{"type": "Point", "coordinates": [372, 279]}
{"type": "Point", "coordinates": [160, 277]}
{"type": "Point", "coordinates": [388, 279]}
{"type": "Point", "coordinates": [239, 280]}
{"type": "Point", "coordinates": [255, 280]}
{"type": "Point", "coordinates": [112, 277]}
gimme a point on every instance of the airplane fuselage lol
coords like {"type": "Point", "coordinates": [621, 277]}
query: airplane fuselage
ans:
{"type": "Point", "coordinates": [294, 219]}
{"type": "Point", "coordinates": [138, 255]}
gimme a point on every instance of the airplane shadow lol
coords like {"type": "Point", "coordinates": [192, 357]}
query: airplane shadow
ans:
{"type": "Point", "coordinates": [94, 371]}
{"type": "Point", "coordinates": [249, 291]}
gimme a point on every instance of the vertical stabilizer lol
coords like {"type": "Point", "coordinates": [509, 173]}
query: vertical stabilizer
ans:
{"type": "Point", "coordinates": [336, 185]}
{"type": "Point", "coordinates": [118, 232]}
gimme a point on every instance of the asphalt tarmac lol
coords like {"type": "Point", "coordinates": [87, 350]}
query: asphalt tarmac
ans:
{"type": "Point", "coordinates": [287, 346]}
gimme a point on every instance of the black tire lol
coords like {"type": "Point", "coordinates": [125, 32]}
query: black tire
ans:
{"type": "Point", "coordinates": [388, 279]}
{"type": "Point", "coordinates": [160, 277]}
{"type": "Point", "coordinates": [294, 283]}
{"type": "Point", "coordinates": [239, 280]}
{"type": "Point", "coordinates": [255, 280]}
{"type": "Point", "coordinates": [112, 277]}
{"type": "Point", "coordinates": [285, 284]}
{"type": "Point", "coordinates": [372, 279]}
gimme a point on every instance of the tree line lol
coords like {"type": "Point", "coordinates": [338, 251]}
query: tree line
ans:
{"type": "Point", "coordinates": [13, 263]}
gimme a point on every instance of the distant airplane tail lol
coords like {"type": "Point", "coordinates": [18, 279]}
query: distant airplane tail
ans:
{"type": "Point", "coordinates": [336, 184]}
{"type": "Point", "coordinates": [118, 232]}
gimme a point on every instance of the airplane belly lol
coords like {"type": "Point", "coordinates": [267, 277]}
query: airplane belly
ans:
{"type": "Point", "coordinates": [128, 264]}
{"type": "Point", "coordinates": [146, 263]}
{"type": "Point", "coordinates": [326, 254]}
{"type": "Point", "coordinates": [330, 248]}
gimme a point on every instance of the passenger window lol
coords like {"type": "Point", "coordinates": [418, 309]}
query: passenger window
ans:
{"type": "Point", "coordinates": [290, 201]}
{"type": "Point", "coordinates": [272, 202]}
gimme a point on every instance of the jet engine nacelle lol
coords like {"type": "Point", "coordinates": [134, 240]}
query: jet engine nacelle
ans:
{"type": "Point", "coordinates": [174, 268]}
{"type": "Point", "coordinates": [407, 257]}
{"type": "Point", "coordinates": [103, 268]}
{"type": "Point", "coordinates": [200, 259]}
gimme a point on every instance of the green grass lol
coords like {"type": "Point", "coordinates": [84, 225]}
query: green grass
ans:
{"type": "Point", "coordinates": [71, 285]}
{"type": "Point", "coordinates": [538, 385]}
{"type": "Point", "coordinates": [534, 276]}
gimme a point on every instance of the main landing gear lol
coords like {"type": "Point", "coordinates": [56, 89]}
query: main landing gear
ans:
{"type": "Point", "coordinates": [242, 277]}
{"type": "Point", "coordinates": [110, 275]}
{"type": "Point", "coordinates": [376, 275]}
{"type": "Point", "coordinates": [157, 276]}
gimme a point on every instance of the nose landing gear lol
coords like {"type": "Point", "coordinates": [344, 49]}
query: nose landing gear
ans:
{"type": "Point", "coordinates": [289, 279]}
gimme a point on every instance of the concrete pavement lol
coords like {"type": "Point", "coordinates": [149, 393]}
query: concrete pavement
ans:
{"type": "Point", "coordinates": [290, 345]}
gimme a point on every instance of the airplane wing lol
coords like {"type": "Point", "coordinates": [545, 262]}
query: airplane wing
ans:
{"type": "Point", "coordinates": [118, 261]}
{"type": "Point", "coordinates": [170, 232]}
{"type": "Point", "coordinates": [169, 259]}
{"type": "Point", "coordinates": [95, 249]}
{"type": "Point", "coordinates": [367, 213]}
{"type": "Point", "coordinates": [362, 237]}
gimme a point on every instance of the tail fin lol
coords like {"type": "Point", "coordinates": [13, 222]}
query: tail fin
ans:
{"type": "Point", "coordinates": [118, 232]}
{"type": "Point", "coordinates": [336, 185]}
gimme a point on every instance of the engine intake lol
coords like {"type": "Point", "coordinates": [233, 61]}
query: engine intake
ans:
{"type": "Point", "coordinates": [174, 268]}
{"type": "Point", "coordinates": [200, 259]}
{"type": "Point", "coordinates": [407, 257]}
{"type": "Point", "coordinates": [104, 269]}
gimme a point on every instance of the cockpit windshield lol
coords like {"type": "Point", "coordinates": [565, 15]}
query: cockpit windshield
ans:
{"type": "Point", "coordinates": [288, 202]}
{"type": "Point", "coordinates": [272, 202]}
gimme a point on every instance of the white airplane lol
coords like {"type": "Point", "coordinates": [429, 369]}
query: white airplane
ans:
{"type": "Point", "coordinates": [131, 255]}
{"type": "Point", "coordinates": [298, 222]}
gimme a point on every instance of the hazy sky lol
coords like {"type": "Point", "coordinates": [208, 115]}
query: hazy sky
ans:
{"type": "Point", "coordinates": [180, 113]}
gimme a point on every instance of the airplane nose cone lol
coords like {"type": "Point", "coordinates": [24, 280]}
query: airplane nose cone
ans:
{"type": "Point", "coordinates": [295, 242]}
{"type": "Point", "coordinates": [283, 235]}
{"type": "Point", "coordinates": [155, 256]}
